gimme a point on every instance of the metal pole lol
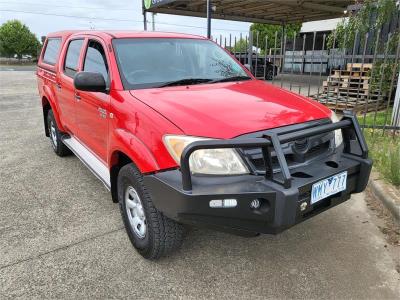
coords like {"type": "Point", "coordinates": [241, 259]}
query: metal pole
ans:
{"type": "Point", "coordinates": [265, 59]}
{"type": "Point", "coordinates": [153, 22]}
{"type": "Point", "coordinates": [256, 62]}
{"type": "Point", "coordinates": [311, 64]}
{"type": "Point", "coordinates": [372, 76]}
{"type": "Point", "coordinates": [391, 84]}
{"type": "Point", "coordinates": [208, 18]}
{"type": "Point", "coordinates": [276, 37]}
{"type": "Point", "coordinates": [320, 65]}
{"type": "Point", "coordinates": [292, 67]}
{"type": "Point", "coordinates": [283, 50]}
{"type": "Point", "coordinates": [250, 51]}
{"type": "Point", "coordinates": [144, 17]}
{"type": "Point", "coordinates": [396, 106]}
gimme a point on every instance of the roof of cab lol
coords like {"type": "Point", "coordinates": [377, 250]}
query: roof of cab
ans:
{"type": "Point", "coordinates": [62, 33]}
{"type": "Point", "coordinates": [126, 34]}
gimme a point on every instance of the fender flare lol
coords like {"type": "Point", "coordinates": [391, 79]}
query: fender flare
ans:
{"type": "Point", "coordinates": [135, 150]}
{"type": "Point", "coordinates": [49, 96]}
{"type": "Point", "coordinates": [130, 145]}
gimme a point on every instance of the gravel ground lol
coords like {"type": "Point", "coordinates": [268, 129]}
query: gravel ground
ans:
{"type": "Point", "coordinates": [62, 237]}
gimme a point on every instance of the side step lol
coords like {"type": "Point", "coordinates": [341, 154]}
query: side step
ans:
{"type": "Point", "coordinates": [89, 159]}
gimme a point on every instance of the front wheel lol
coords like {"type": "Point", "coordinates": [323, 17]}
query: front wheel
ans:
{"type": "Point", "coordinates": [150, 232]}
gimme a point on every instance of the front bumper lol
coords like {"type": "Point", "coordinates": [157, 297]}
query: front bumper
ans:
{"type": "Point", "coordinates": [186, 198]}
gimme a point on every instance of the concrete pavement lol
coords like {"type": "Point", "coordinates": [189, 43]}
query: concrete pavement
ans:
{"type": "Point", "coordinates": [62, 237]}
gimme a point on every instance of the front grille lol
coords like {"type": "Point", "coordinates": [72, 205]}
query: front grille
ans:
{"type": "Point", "coordinates": [297, 153]}
{"type": "Point", "coordinates": [293, 159]}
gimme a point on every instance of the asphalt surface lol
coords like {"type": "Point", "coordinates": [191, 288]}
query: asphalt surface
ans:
{"type": "Point", "coordinates": [62, 237]}
{"type": "Point", "coordinates": [17, 67]}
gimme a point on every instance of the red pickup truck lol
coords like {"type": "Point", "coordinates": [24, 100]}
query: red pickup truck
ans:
{"type": "Point", "coordinates": [181, 133]}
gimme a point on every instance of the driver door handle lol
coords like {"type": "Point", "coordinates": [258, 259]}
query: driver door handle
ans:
{"type": "Point", "coordinates": [77, 97]}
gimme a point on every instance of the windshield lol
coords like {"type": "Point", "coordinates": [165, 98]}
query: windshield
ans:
{"type": "Point", "coordinates": [157, 62]}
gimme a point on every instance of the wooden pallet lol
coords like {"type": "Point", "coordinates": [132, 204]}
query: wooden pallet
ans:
{"type": "Point", "coordinates": [343, 103]}
{"type": "Point", "coordinates": [345, 84]}
{"type": "Point", "coordinates": [350, 73]}
{"type": "Point", "coordinates": [348, 77]}
{"type": "Point", "coordinates": [351, 89]}
{"type": "Point", "coordinates": [359, 67]}
{"type": "Point", "coordinates": [353, 70]}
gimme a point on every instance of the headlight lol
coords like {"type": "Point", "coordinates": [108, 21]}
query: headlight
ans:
{"type": "Point", "coordinates": [206, 161]}
{"type": "Point", "coordinates": [338, 133]}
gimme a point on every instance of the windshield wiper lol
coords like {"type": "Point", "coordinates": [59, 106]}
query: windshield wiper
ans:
{"type": "Point", "coordinates": [186, 81]}
{"type": "Point", "coordinates": [234, 78]}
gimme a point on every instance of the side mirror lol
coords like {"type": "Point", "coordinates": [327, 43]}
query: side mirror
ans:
{"type": "Point", "coordinates": [90, 82]}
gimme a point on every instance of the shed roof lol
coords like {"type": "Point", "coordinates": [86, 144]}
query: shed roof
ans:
{"type": "Point", "coordinates": [257, 11]}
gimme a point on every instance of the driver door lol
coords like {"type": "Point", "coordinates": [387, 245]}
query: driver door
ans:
{"type": "Point", "coordinates": [92, 107]}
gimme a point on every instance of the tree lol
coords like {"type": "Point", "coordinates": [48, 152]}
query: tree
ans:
{"type": "Point", "coordinates": [272, 31]}
{"type": "Point", "coordinates": [17, 39]}
{"type": "Point", "coordinates": [371, 17]}
{"type": "Point", "coordinates": [240, 46]}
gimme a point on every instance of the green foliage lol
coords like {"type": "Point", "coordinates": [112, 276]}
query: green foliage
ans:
{"type": "Point", "coordinates": [240, 46]}
{"type": "Point", "coordinates": [382, 76]}
{"type": "Point", "coordinates": [361, 23]}
{"type": "Point", "coordinates": [385, 151]}
{"type": "Point", "coordinates": [16, 38]}
{"type": "Point", "coordinates": [272, 31]}
{"type": "Point", "coordinates": [371, 17]}
{"type": "Point", "coordinates": [377, 119]}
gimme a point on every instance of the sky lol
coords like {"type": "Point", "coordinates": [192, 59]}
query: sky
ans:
{"type": "Point", "coordinates": [44, 16]}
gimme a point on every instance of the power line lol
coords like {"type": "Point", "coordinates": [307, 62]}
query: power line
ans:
{"type": "Point", "coordinates": [69, 16]}
{"type": "Point", "coordinates": [113, 19]}
{"type": "Point", "coordinates": [63, 6]}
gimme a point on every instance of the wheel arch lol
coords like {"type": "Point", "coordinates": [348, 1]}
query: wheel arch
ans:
{"type": "Point", "coordinates": [118, 160]}
{"type": "Point", "coordinates": [46, 107]}
{"type": "Point", "coordinates": [129, 150]}
{"type": "Point", "coordinates": [49, 104]}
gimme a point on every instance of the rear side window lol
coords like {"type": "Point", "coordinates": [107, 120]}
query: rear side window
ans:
{"type": "Point", "coordinates": [95, 60]}
{"type": "Point", "coordinates": [72, 58]}
{"type": "Point", "coordinates": [51, 52]}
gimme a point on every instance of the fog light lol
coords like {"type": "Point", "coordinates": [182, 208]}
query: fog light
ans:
{"type": "Point", "coordinates": [255, 204]}
{"type": "Point", "coordinates": [215, 203]}
{"type": "Point", "coordinates": [223, 203]}
{"type": "Point", "coordinates": [303, 206]}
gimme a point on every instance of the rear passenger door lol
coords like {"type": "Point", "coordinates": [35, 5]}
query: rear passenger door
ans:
{"type": "Point", "coordinates": [67, 97]}
{"type": "Point", "coordinates": [92, 109]}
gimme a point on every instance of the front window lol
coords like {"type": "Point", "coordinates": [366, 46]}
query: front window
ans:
{"type": "Point", "coordinates": [157, 62]}
{"type": "Point", "coordinates": [95, 60]}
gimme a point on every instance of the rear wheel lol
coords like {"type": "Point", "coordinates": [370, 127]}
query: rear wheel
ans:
{"type": "Point", "coordinates": [55, 136]}
{"type": "Point", "coordinates": [150, 232]}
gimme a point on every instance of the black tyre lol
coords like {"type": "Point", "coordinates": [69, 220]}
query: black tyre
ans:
{"type": "Point", "coordinates": [269, 74]}
{"type": "Point", "coordinates": [55, 136]}
{"type": "Point", "coordinates": [151, 233]}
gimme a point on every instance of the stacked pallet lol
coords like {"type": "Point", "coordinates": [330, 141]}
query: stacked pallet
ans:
{"type": "Point", "coordinates": [350, 90]}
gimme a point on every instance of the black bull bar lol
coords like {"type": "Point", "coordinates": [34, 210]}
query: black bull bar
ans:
{"type": "Point", "coordinates": [272, 141]}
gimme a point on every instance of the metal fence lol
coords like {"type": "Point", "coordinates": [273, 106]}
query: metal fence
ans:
{"type": "Point", "coordinates": [358, 73]}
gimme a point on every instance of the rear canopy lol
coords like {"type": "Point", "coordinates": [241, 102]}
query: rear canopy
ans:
{"type": "Point", "coordinates": [255, 11]}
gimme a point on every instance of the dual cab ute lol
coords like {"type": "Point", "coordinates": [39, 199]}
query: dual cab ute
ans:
{"type": "Point", "coordinates": [181, 133]}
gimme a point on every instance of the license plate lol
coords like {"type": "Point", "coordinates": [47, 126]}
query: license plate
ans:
{"type": "Point", "coordinates": [328, 187]}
